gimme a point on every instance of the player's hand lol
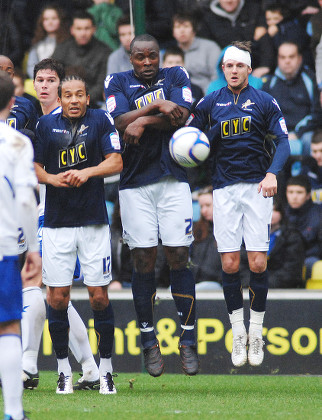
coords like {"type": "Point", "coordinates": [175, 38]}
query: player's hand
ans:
{"type": "Point", "coordinates": [58, 180]}
{"type": "Point", "coordinates": [268, 185]}
{"type": "Point", "coordinates": [171, 110]}
{"type": "Point", "coordinates": [32, 267]}
{"type": "Point", "coordinates": [133, 132]}
{"type": "Point", "coordinates": [76, 178]}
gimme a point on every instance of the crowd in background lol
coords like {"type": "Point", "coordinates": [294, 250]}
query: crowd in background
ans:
{"type": "Point", "coordinates": [287, 63]}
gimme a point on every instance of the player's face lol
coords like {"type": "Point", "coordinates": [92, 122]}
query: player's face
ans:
{"type": "Point", "coordinates": [296, 196]}
{"type": "Point", "coordinates": [173, 60]}
{"type": "Point", "coordinates": [19, 86]}
{"type": "Point", "coordinates": [183, 32]}
{"type": "Point", "coordinates": [125, 36]}
{"type": "Point", "coordinates": [316, 152]}
{"type": "Point", "coordinates": [7, 66]}
{"type": "Point", "coordinates": [145, 59]}
{"type": "Point", "coordinates": [205, 203]}
{"type": "Point", "coordinates": [236, 74]}
{"type": "Point", "coordinates": [46, 86]}
{"type": "Point", "coordinates": [74, 99]}
{"type": "Point", "coordinates": [50, 21]}
{"type": "Point", "coordinates": [229, 5]}
{"type": "Point", "coordinates": [82, 31]}
{"type": "Point", "coordinates": [289, 60]}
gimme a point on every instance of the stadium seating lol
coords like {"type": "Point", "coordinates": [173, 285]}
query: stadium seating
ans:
{"type": "Point", "coordinates": [315, 282]}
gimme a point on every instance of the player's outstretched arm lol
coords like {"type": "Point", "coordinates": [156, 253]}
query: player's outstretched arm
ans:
{"type": "Point", "coordinates": [113, 164]}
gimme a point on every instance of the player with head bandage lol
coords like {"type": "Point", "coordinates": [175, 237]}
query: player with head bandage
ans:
{"type": "Point", "coordinates": [239, 118]}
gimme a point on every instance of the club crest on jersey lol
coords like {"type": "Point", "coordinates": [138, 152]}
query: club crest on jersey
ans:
{"type": "Point", "coordinates": [148, 98]}
{"type": "Point", "coordinates": [235, 126]}
{"type": "Point", "coordinates": [12, 122]}
{"type": "Point", "coordinates": [246, 104]}
{"type": "Point", "coordinates": [82, 128]}
{"type": "Point", "coordinates": [72, 155]}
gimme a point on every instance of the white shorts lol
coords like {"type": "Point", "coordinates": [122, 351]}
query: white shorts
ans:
{"type": "Point", "coordinates": [61, 246]}
{"type": "Point", "coordinates": [241, 213]}
{"type": "Point", "coordinates": [160, 210]}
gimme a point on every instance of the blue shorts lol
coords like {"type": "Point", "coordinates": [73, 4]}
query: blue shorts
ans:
{"type": "Point", "coordinates": [10, 290]}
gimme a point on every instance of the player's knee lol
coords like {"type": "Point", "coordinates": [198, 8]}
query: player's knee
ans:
{"type": "Point", "coordinates": [144, 259]}
{"type": "Point", "coordinates": [98, 298]}
{"type": "Point", "coordinates": [177, 257]}
{"type": "Point", "coordinates": [58, 297]}
{"type": "Point", "coordinates": [257, 262]}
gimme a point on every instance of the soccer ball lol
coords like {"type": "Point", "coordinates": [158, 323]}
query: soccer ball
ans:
{"type": "Point", "coordinates": [189, 147]}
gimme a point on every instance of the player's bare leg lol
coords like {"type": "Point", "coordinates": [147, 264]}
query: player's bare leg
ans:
{"type": "Point", "coordinates": [183, 293]}
{"type": "Point", "coordinates": [144, 290]}
{"type": "Point", "coordinates": [104, 328]}
{"type": "Point", "coordinates": [234, 300]}
{"type": "Point", "coordinates": [258, 288]}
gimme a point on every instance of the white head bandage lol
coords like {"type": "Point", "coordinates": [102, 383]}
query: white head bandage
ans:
{"type": "Point", "coordinates": [234, 53]}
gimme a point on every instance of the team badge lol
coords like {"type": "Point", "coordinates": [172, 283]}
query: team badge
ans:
{"type": "Point", "coordinates": [82, 129]}
{"type": "Point", "coordinates": [283, 125]}
{"type": "Point", "coordinates": [186, 94]}
{"type": "Point", "coordinates": [111, 103]}
{"type": "Point", "coordinates": [246, 104]}
{"type": "Point", "coordinates": [107, 81]}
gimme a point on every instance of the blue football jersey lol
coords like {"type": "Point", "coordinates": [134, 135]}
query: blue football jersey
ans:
{"type": "Point", "coordinates": [149, 161]}
{"type": "Point", "coordinates": [23, 114]}
{"type": "Point", "coordinates": [242, 152]}
{"type": "Point", "coordinates": [61, 146]}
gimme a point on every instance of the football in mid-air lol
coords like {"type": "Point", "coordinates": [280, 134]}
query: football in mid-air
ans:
{"type": "Point", "coordinates": [189, 147]}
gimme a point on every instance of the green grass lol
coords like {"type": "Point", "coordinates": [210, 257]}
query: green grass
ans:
{"type": "Point", "coordinates": [172, 396]}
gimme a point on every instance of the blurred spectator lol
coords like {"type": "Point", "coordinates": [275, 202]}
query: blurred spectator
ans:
{"type": "Point", "coordinates": [119, 60]}
{"type": "Point", "coordinates": [174, 56]}
{"type": "Point", "coordinates": [51, 29]}
{"type": "Point", "coordinates": [286, 252]}
{"type": "Point", "coordinates": [200, 55]}
{"type": "Point", "coordinates": [318, 67]}
{"type": "Point", "coordinates": [10, 35]}
{"type": "Point", "coordinates": [225, 21]}
{"type": "Point", "coordinates": [158, 20]}
{"type": "Point", "coordinates": [204, 256]}
{"type": "Point", "coordinates": [295, 90]}
{"type": "Point", "coordinates": [304, 215]}
{"type": "Point", "coordinates": [314, 28]}
{"type": "Point", "coordinates": [105, 15]}
{"type": "Point", "coordinates": [19, 82]}
{"type": "Point", "coordinates": [87, 52]}
{"type": "Point", "coordinates": [281, 27]}
{"type": "Point", "coordinates": [220, 81]}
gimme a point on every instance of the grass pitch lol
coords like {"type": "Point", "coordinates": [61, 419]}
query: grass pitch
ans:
{"type": "Point", "coordinates": [139, 397]}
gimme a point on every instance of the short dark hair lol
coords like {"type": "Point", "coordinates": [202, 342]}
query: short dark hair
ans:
{"type": "Point", "coordinates": [142, 37]}
{"type": "Point", "coordinates": [123, 20]}
{"type": "Point", "coordinates": [50, 64]}
{"type": "Point", "coordinates": [300, 180]}
{"type": "Point", "coordinates": [317, 136]}
{"type": "Point", "coordinates": [243, 45]}
{"type": "Point", "coordinates": [7, 89]}
{"type": "Point", "coordinates": [174, 50]}
{"type": "Point", "coordinates": [83, 14]}
{"type": "Point", "coordinates": [290, 42]}
{"type": "Point", "coordinates": [68, 79]}
{"type": "Point", "coordinates": [185, 17]}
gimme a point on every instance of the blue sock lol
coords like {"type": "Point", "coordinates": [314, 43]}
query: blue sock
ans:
{"type": "Point", "coordinates": [144, 290]}
{"type": "Point", "coordinates": [233, 291]}
{"type": "Point", "coordinates": [184, 296]}
{"type": "Point", "coordinates": [258, 288]}
{"type": "Point", "coordinates": [59, 328]}
{"type": "Point", "coordinates": [104, 328]}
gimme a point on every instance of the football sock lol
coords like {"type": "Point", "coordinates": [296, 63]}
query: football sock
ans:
{"type": "Point", "coordinates": [10, 373]}
{"type": "Point", "coordinates": [258, 288]}
{"type": "Point", "coordinates": [233, 291]}
{"type": "Point", "coordinates": [144, 290]}
{"type": "Point", "coordinates": [64, 366]}
{"type": "Point", "coordinates": [237, 322]}
{"type": "Point", "coordinates": [90, 370]}
{"type": "Point", "coordinates": [105, 366]}
{"type": "Point", "coordinates": [256, 323]}
{"type": "Point", "coordinates": [184, 296]}
{"type": "Point", "coordinates": [104, 328]}
{"type": "Point", "coordinates": [32, 325]}
{"type": "Point", "coordinates": [58, 328]}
